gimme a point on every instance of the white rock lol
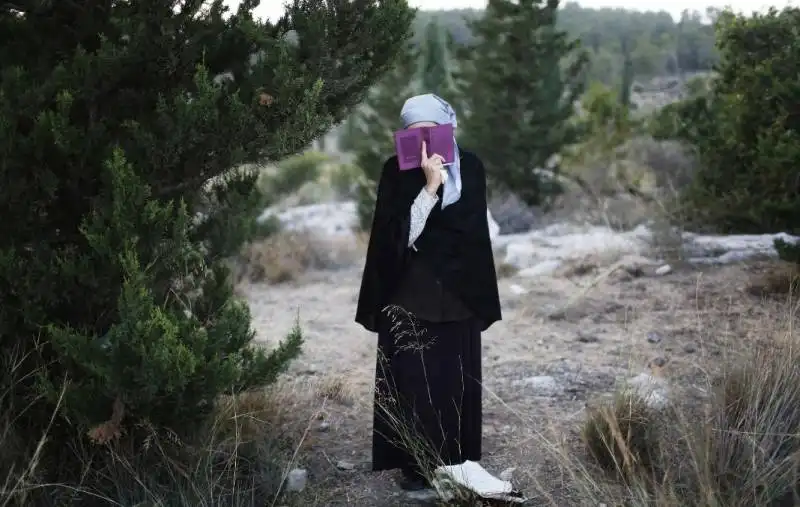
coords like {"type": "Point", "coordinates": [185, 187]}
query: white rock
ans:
{"type": "Point", "coordinates": [564, 242]}
{"type": "Point", "coordinates": [518, 290]}
{"type": "Point", "coordinates": [541, 252]}
{"type": "Point", "coordinates": [494, 229]}
{"type": "Point", "coordinates": [297, 480]}
{"type": "Point", "coordinates": [345, 465]}
{"type": "Point", "coordinates": [653, 390]}
{"type": "Point", "coordinates": [331, 219]}
{"type": "Point", "coordinates": [664, 270]}
{"type": "Point", "coordinates": [543, 385]}
{"type": "Point", "coordinates": [423, 496]}
{"type": "Point", "coordinates": [707, 245]}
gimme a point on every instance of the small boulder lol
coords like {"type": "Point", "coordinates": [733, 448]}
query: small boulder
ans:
{"type": "Point", "coordinates": [297, 480]}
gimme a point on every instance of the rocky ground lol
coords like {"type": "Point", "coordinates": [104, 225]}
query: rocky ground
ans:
{"type": "Point", "coordinates": [575, 327]}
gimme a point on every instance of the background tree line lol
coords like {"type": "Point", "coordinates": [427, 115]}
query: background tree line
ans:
{"type": "Point", "coordinates": [656, 42]}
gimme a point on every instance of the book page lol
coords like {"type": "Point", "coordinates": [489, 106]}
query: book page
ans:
{"type": "Point", "coordinates": [442, 142]}
{"type": "Point", "coordinates": [408, 145]}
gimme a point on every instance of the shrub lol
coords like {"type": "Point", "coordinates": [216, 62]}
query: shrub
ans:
{"type": "Point", "coordinates": [239, 452]}
{"type": "Point", "coordinates": [344, 180]}
{"type": "Point", "coordinates": [780, 279]}
{"type": "Point", "coordinates": [512, 214]}
{"type": "Point", "coordinates": [283, 257]}
{"type": "Point", "coordinates": [119, 204]}
{"type": "Point", "coordinates": [754, 448]}
{"type": "Point", "coordinates": [366, 195]}
{"type": "Point", "coordinates": [745, 129]}
{"type": "Point", "coordinates": [623, 436]}
{"type": "Point", "coordinates": [294, 172]}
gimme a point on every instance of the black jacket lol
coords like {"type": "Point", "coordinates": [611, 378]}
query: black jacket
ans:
{"type": "Point", "coordinates": [454, 246]}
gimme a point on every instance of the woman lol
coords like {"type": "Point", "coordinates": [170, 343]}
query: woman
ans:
{"type": "Point", "coordinates": [429, 289]}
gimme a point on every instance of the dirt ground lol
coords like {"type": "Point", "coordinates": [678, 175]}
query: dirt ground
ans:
{"type": "Point", "coordinates": [586, 331]}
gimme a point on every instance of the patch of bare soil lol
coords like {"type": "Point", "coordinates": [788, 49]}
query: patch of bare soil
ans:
{"type": "Point", "coordinates": [563, 342]}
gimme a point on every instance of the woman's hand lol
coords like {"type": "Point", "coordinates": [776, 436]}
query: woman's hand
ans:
{"type": "Point", "coordinates": [432, 167]}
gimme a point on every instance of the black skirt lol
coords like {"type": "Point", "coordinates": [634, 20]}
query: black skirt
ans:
{"type": "Point", "coordinates": [427, 395]}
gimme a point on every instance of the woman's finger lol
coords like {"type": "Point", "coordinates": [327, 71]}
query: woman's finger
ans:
{"type": "Point", "coordinates": [424, 155]}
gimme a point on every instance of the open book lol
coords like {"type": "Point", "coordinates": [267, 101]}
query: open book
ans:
{"type": "Point", "coordinates": [471, 476]}
{"type": "Point", "coordinates": [438, 139]}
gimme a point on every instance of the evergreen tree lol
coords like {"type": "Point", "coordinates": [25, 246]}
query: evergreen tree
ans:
{"type": "Point", "coordinates": [518, 96]}
{"type": "Point", "coordinates": [435, 72]}
{"type": "Point", "coordinates": [368, 133]}
{"type": "Point", "coordinates": [627, 74]}
{"type": "Point", "coordinates": [121, 128]}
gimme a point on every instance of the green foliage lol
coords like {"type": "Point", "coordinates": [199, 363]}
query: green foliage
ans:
{"type": "Point", "coordinates": [294, 172]}
{"type": "Point", "coordinates": [788, 251]}
{"type": "Point", "coordinates": [518, 116]}
{"type": "Point", "coordinates": [606, 124]}
{"type": "Point", "coordinates": [344, 179]}
{"type": "Point", "coordinates": [607, 118]}
{"type": "Point", "coordinates": [436, 74]}
{"type": "Point", "coordinates": [690, 119]}
{"type": "Point", "coordinates": [368, 132]}
{"type": "Point", "coordinates": [657, 43]}
{"type": "Point", "coordinates": [120, 204]}
{"type": "Point", "coordinates": [600, 163]}
{"type": "Point", "coordinates": [746, 130]}
{"type": "Point", "coordinates": [626, 82]}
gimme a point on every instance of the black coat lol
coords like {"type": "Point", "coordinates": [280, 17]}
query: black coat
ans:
{"type": "Point", "coordinates": [455, 243]}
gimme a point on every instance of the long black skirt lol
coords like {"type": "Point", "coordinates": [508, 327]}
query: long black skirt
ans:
{"type": "Point", "coordinates": [427, 394]}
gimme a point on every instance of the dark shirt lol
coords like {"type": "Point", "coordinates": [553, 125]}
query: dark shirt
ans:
{"type": "Point", "coordinates": [420, 292]}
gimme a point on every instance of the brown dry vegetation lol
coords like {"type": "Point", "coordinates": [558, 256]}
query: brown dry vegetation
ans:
{"type": "Point", "coordinates": [738, 448]}
{"type": "Point", "coordinates": [730, 438]}
{"type": "Point", "coordinates": [284, 256]}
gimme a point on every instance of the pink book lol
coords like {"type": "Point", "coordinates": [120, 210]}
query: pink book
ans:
{"type": "Point", "coordinates": [408, 144]}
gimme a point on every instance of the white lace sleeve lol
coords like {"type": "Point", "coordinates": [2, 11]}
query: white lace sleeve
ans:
{"type": "Point", "coordinates": [420, 209]}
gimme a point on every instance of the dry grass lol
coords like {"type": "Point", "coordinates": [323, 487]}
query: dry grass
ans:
{"type": "Point", "coordinates": [622, 435]}
{"type": "Point", "coordinates": [737, 447]}
{"type": "Point", "coordinates": [335, 388]}
{"type": "Point", "coordinates": [776, 279]}
{"type": "Point", "coordinates": [241, 457]}
{"type": "Point", "coordinates": [285, 256]}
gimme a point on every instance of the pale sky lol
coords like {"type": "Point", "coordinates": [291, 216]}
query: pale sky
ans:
{"type": "Point", "coordinates": [274, 8]}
